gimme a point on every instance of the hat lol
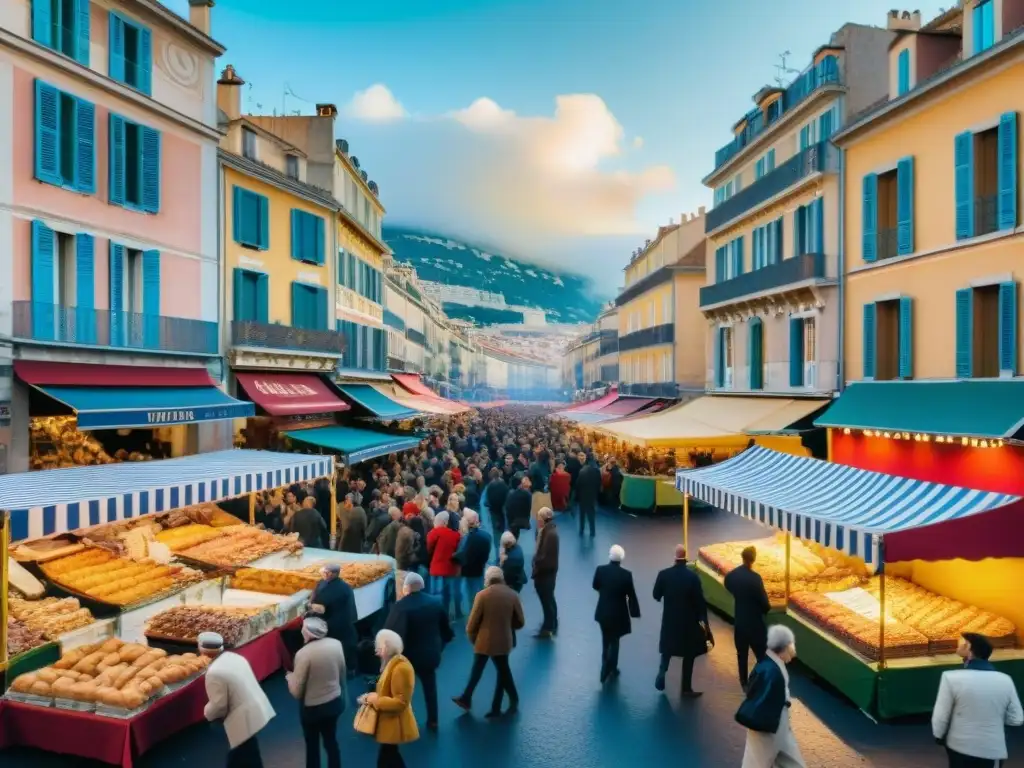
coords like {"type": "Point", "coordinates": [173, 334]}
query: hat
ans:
{"type": "Point", "coordinates": [315, 628]}
{"type": "Point", "coordinates": [210, 641]}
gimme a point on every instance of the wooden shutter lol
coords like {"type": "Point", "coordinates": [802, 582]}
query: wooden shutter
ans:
{"type": "Point", "coordinates": [819, 225]}
{"type": "Point", "coordinates": [117, 314]}
{"type": "Point", "coordinates": [115, 46]}
{"type": "Point", "coordinates": [47, 133]}
{"type": "Point", "coordinates": [151, 298]}
{"type": "Point", "coordinates": [82, 20]}
{"type": "Point", "coordinates": [42, 23]}
{"type": "Point", "coordinates": [150, 169]}
{"type": "Point", "coordinates": [319, 251]}
{"type": "Point", "coordinates": [237, 206]}
{"type": "Point", "coordinates": [262, 222]}
{"type": "Point", "coordinates": [869, 218]}
{"type": "Point", "coordinates": [85, 289]}
{"type": "Point", "coordinates": [755, 352]}
{"type": "Point", "coordinates": [42, 282]}
{"type": "Point", "coordinates": [298, 316]}
{"type": "Point", "coordinates": [965, 333]}
{"type": "Point", "coordinates": [117, 159]}
{"type": "Point", "coordinates": [85, 148]}
{"type": "Point", "coordinates": [906, 338]}
{"type": "Point", "coordinates": [145, 63]}
{"type": "Point", "coordinates": [796, 352]}
{"type": "Point", "coordinates": [963, 158]}
{"type": "Point", "coordinates": [905, 206]}
{"type": "Point", "coordinates": [238, 282]}
{"type": "Point", "coordinates": [1008, 329]}
{"type": "Point", "coordinates": [296, 243]}
{"type": "Point", "coordinates": [869, 341]}
{"type": "Point", "coordinates": [719, 357]}
{"type": "Point", "coordinates": [263, 298]}
{"type": "Point", "coordinates": [1008, 171]}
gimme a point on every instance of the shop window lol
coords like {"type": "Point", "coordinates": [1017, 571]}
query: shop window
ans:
{"type": "Point", "coordinates": [887, 215]}
{"type": "Point", "coordinates": [986, 180]}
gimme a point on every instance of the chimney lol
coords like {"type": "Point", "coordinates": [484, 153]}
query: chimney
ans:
{"type": "Point", "coordinates": [326, 110]}
{"type": "Point", "coordinates": [229, 93]}
{"type": "Point", "coordinates": [199, 15]}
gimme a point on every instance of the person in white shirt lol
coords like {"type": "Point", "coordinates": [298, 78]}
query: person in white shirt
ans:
{"type": "Point", "coordinates": [973, 707]}
{"type": "Point", "coordinates": [318, 682]}
{"type": "Point", "coordinates": [235, 696]}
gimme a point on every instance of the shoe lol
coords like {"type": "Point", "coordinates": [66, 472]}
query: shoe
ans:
{"type": "Point", "coordinates": [462, 703]}
{"type": "Point", "coordinates": [543, 635]}
{"type": "Point", "coordinates": [659, 682]}
{"type": "Point", "coordinates": [691, 694]}
{"type": "Point", "coordinates": [493, 714]}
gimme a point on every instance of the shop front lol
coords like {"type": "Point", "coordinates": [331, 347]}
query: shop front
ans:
{"type": "Point", "coordinates": [286, 402]}
{"type": "Point", "coordinates": [82, 414]}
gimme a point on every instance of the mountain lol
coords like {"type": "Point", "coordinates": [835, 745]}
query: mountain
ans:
{"type": "Point", "coordinates": [564, 298]}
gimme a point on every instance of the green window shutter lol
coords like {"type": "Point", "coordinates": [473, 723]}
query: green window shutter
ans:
{"type": "Point", "coordinates": [1008, 329]}
{"type": "Point", "coordinates": [237, 196]}
{"type": "Point", "coordinates": [796, 352]}
{"type": "Point", "coordinates": [82, 32]}
{"type": "Point", "coordinates": [819, 225]}
{"type": "Point", "coordinates": [719, 357]}
{"type": "Point", "coordinates": [263, 222]}
{"type": "Point", "coordinates": [85, 289]}
{"type": "Point", "coordinates": [318, 240]}
{"type": "Point", "coordinates": [323, 307]}
{"type": "Point", "coordinates": [869, 220]}
{"type": "Point", "coordinates": [239, 298]}
{"type": "Point", "coordinates": [42, 22]}
{"type": "Point", "coordinates": [47, 133]}
{"type": "Point", "coordinates": [963, 158]}
{"type": "Point", "coordinates": [906, 338]}
{"type": "Point", "coordinates": [905, 206]}
{"type": "Point", "coordinates": [720, 264]}
{"type": "Point", "coordinates": [43, 328]}
{"type": "Point", "coordinates": [755, 353]}
{"type": "Point", "coordinates": [1008, 171]}
{"type": "Point", "coordinates": [85, 159]}
{"type": "Point", "coordinates": [263, 298]}
{"type": "Point", "coordinates": [965, 333]}
{"type": "Point", "coordinates": [869, 341]}
{"type": "Point", "coordinates": [150, 169]}
{"type": "Point", "coordinates": [799, 230]}
{"type": "Point", "coordinates": [296, 219]}
{"type": "Point", "coordinates": [297, 315]}
{"type": "Point", "coordinates": [115, 61]}
{"type": "Point", "coordinates": [117, 160]}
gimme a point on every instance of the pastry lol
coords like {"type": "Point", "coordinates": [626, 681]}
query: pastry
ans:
{"type": "Point", "coordinates": [119, 581]}
{"type": "Point", "coordinates": [21, 638]}
{"type": "Point", "coordinates": [273, 582]}
{"type": "Point", "coordinates": [239, 545]}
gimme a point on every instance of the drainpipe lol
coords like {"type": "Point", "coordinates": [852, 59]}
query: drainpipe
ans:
{"type": "Point", "coordinates": [841, 367]}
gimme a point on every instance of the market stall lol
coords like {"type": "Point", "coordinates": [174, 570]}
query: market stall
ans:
{"type": "Point", "coordinates": [410, 390]}
{"type": "Point", "coordinates": [355, 445]}
{"type": "Point", "coordinates": [877, 575]}
{"type": "Point", "coordinates": [619, 408]}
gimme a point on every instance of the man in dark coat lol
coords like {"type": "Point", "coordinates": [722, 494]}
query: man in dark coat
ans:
{"type": "Point", "coordinates": [519, 507]}
{"type": "Point", "coordinates": [308, 523]}
{"type": "Point", "coordinates": [616, 603]}
{"type": "Point", "coordinates": [684, 622]}
{"type": "Point", "coordinates": [588, 491]}
{"type": "Point", "coordinates": [334, 601]}
{"type": "Point", "coordinates": [545, 571]}
{"type": "Point", "coordinates": [573, 467]}
{"type": "Point", "coordinates": [750, 632]}
{"type": "Point", "coordinates": [423, 625]}
{"type": "Point", "coordinates": [353, 526]}
{"type": "Point", "coordinates": [377, 522]}
{"type": "Point", "coordinates": [495, 495]}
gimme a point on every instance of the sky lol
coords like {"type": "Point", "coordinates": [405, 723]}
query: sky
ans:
{"type": "Point", "coordinates": [559, 132]}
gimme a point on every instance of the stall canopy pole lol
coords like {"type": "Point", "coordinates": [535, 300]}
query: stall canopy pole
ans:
{"type": "Point", "coordinates": [5, 541]}
{"type": "Point", "coordinates": [789, 537]}
{"type": "Point", "coordinates": [252, 508]}
{"type": "Point", "coordinates": [686, 524]}
{"type": "Point", "coordinates": [881, 601]}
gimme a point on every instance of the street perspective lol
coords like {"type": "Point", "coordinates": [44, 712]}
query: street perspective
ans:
{"type": "Point", "coordinates": [511, 383]}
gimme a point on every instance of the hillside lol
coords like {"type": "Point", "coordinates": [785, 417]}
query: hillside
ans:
{"type": "Point", "coordinates": [565, 298]}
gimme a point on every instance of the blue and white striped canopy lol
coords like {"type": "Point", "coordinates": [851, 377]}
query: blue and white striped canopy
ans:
{"type": "Point", "coordinates": [59, 500]}
{"type": "Point", "coordinates": [835, 505]}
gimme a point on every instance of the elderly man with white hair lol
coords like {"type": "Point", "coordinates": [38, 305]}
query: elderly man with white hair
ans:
{"type": "Point", "coordinates": [422, 623]}
{"type": "Point", "coordinates": [496, 615]}
{"type": "Point", "coordinates": [616, 606]}
{"type": "Point", "coordinates": [765, 711]}
{"type": "Point", "coordinates": [318, 682]}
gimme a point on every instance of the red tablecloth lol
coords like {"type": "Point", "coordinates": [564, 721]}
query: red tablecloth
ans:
{"type": "Point", "coordinates": [116, 741]}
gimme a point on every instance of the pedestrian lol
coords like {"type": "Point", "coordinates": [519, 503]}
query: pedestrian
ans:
{"type": "Point", "coordinates": [234, 696]}
{"type": "Point", "coordinates": [684, 621]}
{"type": "Point", "coordinates": [353, 526]}
{"type": "Point", "coordinates": [496, 616]}
{"type": "Point", "coordinates": [495, 495]}
{"type": "Point", "coordinates": [472, 555]}
{"type": "Point", "coordinates": [616, 605]}
{"type": "Point", "coordinates": [512, 562]}
{"type": "Point", "coordinates": [378, 520]}
{"type": "Point", "coordinates": [392, 699]}
{"type": "Point", "coordinates": [334, 601]}
{"type": "Point", "coordinates": [973, 708]}
{"type": "Point", "coordinates": [588, 492]}
{"type": "Point", "coordinates": [545, 571]}
{"type": "Point", "coordinates": [422, 623]}
{"type": "Point", "coordinates": [389, 536]}
{"type": "Point", "coordinates": [765, 711]}
{"type": "Point", "coordinates": [442, 543]}
{"type": "Point", "coordinates": [749, 631]}
{"type": "Point", "coordinates": [308, 523]}
{"type": "Point", "coordinates": [519, 508]}
{"type": "Point", "coordinates": [558, 483]}
{"type": "Point", "coordinates": [406, 545]}
{"type": "Point", "coordinates": [318, 682]}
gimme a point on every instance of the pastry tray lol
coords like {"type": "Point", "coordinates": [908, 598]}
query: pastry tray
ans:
{"type": "Point", "coordinates": [121, 714]}
{"type": "Point", "coordinates": [98, 604]}
{"type": "Point", "coordinates": [28, 698]}
{"type": "Point", "coordinates": [75, 706]}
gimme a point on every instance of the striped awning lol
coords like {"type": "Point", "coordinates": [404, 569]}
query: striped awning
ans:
{"type": "Point", "coordinates": [835, 505]}
{"type": "Point", "coordinates": [59, 500]}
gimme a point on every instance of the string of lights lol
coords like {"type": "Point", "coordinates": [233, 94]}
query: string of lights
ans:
{"type": "Point", "coordinates": [921, 437]}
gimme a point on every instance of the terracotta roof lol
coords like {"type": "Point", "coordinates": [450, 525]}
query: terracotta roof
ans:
{"type": "Point", "coordinates": [697, 257]}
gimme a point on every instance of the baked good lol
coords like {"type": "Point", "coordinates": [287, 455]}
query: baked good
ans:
{"type": "Point", "coordinates": [185, 623]}
{"type": "Point", "coordinates": [21, 638]}
{"type": "Point", "coordinates": [239, 545]}
{"type": "Point", "coordinates": [273, 582]}
{"type": "Point", "coordinates": [51, 616]}
{"type": "Point", "coordinates": [188, 535]}
{"type": "Point", "coordinates": [103, 576]}
{"type": "Point", "coordinates": [355, 574]}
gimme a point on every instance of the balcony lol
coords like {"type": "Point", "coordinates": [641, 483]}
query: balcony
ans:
{"type": "Point", "coordinates": [644, 284]}
{"type": "Point", "coordinates": [247, 333]}
{"type": "Point", "coordinates": [667, 389]}
{"type": "Point", "coordinates": [416, 337]}
{"type": "Point", "coordinates": [391, 320]}
{"type": "Point", "coordinates": [819, 158]}
{"type": "Point", "coordinates": [648, 337]}
{"type": "Point", "coordinates": [768, 279]}
{"type": "Point", "coordinates": [986, 214]}
{"type": "Point", "coordinates": [395, 364]}
{"type": "Point", "coordinates": [825, 73]}
{"type": "Point", "coordinates": [56, 324]}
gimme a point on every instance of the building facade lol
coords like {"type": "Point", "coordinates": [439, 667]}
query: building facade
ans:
{"type": "Point", "coordinates": [772, 301]}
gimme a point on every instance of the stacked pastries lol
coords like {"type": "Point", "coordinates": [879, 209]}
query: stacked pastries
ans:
{"type": "Point", "coordinates": [51, 616]}
{"type": "Point", "coordinates": [101, 575]}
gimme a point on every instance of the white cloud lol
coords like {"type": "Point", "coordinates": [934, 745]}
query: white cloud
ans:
{"type": "Point", "coordinates": [376, 105]}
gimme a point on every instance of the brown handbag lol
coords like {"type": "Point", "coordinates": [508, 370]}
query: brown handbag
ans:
{"type": "Point", "coordinates": [366, 720]}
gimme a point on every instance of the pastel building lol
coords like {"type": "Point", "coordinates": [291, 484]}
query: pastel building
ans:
{"type": "Point", "coordinates": [108, 222]}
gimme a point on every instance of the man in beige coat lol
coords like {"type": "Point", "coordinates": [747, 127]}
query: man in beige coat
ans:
{"type": "Point", "coordinates": [496, 615]}
{"type": "Point", "coordinates": [235, 696]}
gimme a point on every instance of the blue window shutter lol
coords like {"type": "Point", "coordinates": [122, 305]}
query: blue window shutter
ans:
{"type": "Point", "coordinates": [296, 219]}
{"type": "Point", "coordinates": [236, 213]}
{"type": "Point", "coordinates": [779, 240]}
{"type": "Point", "coordinates": [739, 255]}
{"type": "Point", "coordinates": [905, 206]}
{"type": "Point", "coordinates": [719, 357]}
{"type": "Point", "coordinates": [965, 333]}
{"type": "Point", "coordinates": [42, 23]}
{"type": "Point", "coordinates": [85, 289]}
{"type": "Point", "coordinates": [239, 287]}
{"type": "Point", "coordinates": [263, 221]}
{"type": "Point", "coordinates": [318, 239]}
{"type": "Point", "coordinates": [869, 218]}
{"type": "Point", "coordinates": [263, 298]}
{"type": "Point", "coordinates": [117, 314]}
{"type": "Point", "coordinates": [771, 160]}
{"type": "Point", "coordinates": [796, 352]}
{"type": "Point", "coordinates": [324, 308]}
{"type": "Point", "coordinates": [1008, 329]}
{"type": "Point", "coordinates": [151, 299]}
{"type": "Point", "coordinates": [903, 76]}
{"type": "Point", "coordinates": [1008, 170]}
{"type": "Point", "coordinates": [82, 32]}
{"type": "Point", "coordinates": [799, 230]}
{"type": "Point", "coordinates": [297, 305]}
{"type": "Point", "coordinates": [145, 61]}
{"type": "Point", "coordinates": [47, 133]}
{"type": "Point", "coordinates": [869, 340]}
{"type": "Point", "coordinates": [115, 62]}
{"type": "Point", "coordinates": [85, 161]}
{"type": "Point", "coordinates": [754, 348]}
{"type": "Point", "coordinates": [719, 264]}
{"type": "Point", "coordinates": [42, 282]}
{"type": "Point", "coordinates": [150, 170]}
{"type": "Point", "coordinates": [906, 338]}
{"type": "Point", "coordinates": [964, 180]}
{"type": "Point", "coordinates": [819, 225]}
{"type": "Point", "coordinates": [117, 161]}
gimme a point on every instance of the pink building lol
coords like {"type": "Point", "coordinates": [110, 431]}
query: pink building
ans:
{"type": "Point", "coordinates": [108, 222]}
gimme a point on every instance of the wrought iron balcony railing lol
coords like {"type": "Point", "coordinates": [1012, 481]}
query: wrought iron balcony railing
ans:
{"type": "Point", "coordinates": [770, 278]}
{"type": "Point", "coordinates": [247, 333]}
{"type": "Point", "coordinates": [648, 337]}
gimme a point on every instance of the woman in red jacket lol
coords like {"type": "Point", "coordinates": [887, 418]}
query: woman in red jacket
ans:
{"type": "Point", "coordinates": [558, 485]}
{"type": "Point", "coordinates": [442, 542]}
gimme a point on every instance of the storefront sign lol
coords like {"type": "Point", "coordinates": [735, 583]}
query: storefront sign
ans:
{"type": "Point", "coordinates": [162, 417]}
{"type": "Point", "coordinates": [282, 389]}
{"type": "Point", "coordinates": [304, 421]}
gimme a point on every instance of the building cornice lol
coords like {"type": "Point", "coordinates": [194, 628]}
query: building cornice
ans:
{"type": "Point", "coordinates": [275, 178]}
{"type": "Point", "coordinates": [171, 19]}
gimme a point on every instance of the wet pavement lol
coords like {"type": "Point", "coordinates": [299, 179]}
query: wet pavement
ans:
{"type": "Point", "coordinates": [567, 719]}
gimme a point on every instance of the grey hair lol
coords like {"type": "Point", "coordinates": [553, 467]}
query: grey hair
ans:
{"type": "Point", "coordinates": [616, 554]}
{"type": "Point", "coordinates": [471, 518]}
{"type": "Point", "coordinates": [441, 519]}
{"type": "Point", "coordinates": [390, 641]}
{"type": "Point", "coordinates": [780, 638]}
{"type": "Point", "coordinates": [494, 575]}
{"type": "Point", "coordinates": [508, 539]}
{"type": "Point", "coordinates": [413, 582]}
{"type": "Point", "coordinates": [545, 513]}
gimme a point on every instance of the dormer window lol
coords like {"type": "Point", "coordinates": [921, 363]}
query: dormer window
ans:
{"type": "Point", "coordinates": [984, 25]}
{"type": "Point", "coordinates": [774, 111]}
{"type": "Point", "coordinates": [291, 167]}
{"type": "Point", "coordinates": [903, 72]}
{"type": "Point", "coordinates": [249, 143]}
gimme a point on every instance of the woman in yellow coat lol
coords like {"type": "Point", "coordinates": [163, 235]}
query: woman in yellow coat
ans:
{"type": "Point", "coordinates": [396, 723]}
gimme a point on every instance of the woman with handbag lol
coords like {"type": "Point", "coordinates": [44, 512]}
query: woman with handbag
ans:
{"type": "Point", "coordinates": [386, 714]}
{"type": "Point", "coordinates": [765, 711]}
{"type": "Point", "coordinates": [318, 682]}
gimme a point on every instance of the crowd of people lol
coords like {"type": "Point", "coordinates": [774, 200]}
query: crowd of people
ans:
{"type": "Point", "coordinates": [510, 470]}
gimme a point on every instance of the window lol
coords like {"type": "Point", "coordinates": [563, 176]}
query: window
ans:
{"type": "Point", "coordinates": [62, 25]}
{"type": "Point", "coordinates": [827, 124]}
{"type": "Point", "coordinates": [774, 111]}
{"type": "Point", "coordinates": [888, 339]}
{"type": "Point", "coordinates": [309, 307]}
{"type": "Point", "coordinates": [986, 179]}
{"type": "Point", "coordinates": [986, 331]}
{"type": "Point", "coordinates": [984, 25]}
{"type": "Point", "coordinates": [765, 165]}
{"type": "Point", "coordinates": [807, 135]}
{"type": "Point", "coordinates": [737, 183]}
{"type": "Point", "coordinates": [250, 219]}
{"type": "Point", "coordinates": [251, 296]}
{"type": "Point", "coordinates": [808, 228]}
{"type": "Point", "coordinates": [903, 72]}
{"type": "Point", "coordinates": [65, 151]}
{"type": "Point", "coordinates": [131, 53]}
{"type": "Point", "coordinates": [291, 163]}
{"type": "Point", "coordinates": [726, 352]}
{"type": "Point", "coordinates": [249, 143]}
{"type": "Point", "coordinates": [802, 342]}
{"type": "Point", "coordinates": [133, 280]}
{"type": "Point", "coordinates": [134, 165]}
{"type": "Point", "coordinates": [307, 237]}
{"type": "Point", "coordinates": [65, 271]}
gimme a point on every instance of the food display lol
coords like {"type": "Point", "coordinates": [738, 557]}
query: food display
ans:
{"type": "Point", "coordinates": [23, 582]}
{"type": "Point", "coordinates": [355, 574]}
{"type": "Point", "coordinates": [57, 443]}
{"type": "Point", "coordinates": [21, 637]}
{"type": "Point", "coordinates": [187, 536]}
{"type": "Point", "coordinates": [51, 617]}
{"type": "Point", "coordinates": [185, 623]}
{"type": "Point", "coordinates": [273, 582]}
{"type": "Point", "coordinates": [114, 675]}
{"type": "Point", "coordinates": [99, 574]}
{"type": "Point", "coordinates": [240, 545]}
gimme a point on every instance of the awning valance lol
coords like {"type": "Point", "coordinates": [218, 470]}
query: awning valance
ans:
{"type": "Point", "coordinates": [59, 500]}
{"type": "Point", "coordinates": [356, 444]}
{"type": "Point", "coordinates": [290, 394]}
{"type": "Point", "coordinates": [852, 509]}
{"type": "Point", "coordinates": [992, 408]}
{"type": "Point", "coordinates": [379, 405]}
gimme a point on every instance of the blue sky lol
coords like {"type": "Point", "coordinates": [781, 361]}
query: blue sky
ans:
{"type": "Point", "coordinates": [674, 75]}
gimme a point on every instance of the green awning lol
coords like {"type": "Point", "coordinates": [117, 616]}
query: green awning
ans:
{"type": "Point", "coordinates": [992, 408]}
{"type": "Point", "coordinates": [356, 444]}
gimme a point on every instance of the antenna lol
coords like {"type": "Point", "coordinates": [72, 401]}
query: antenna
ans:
{"type": "Point", "coordinates": [783, 69]}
